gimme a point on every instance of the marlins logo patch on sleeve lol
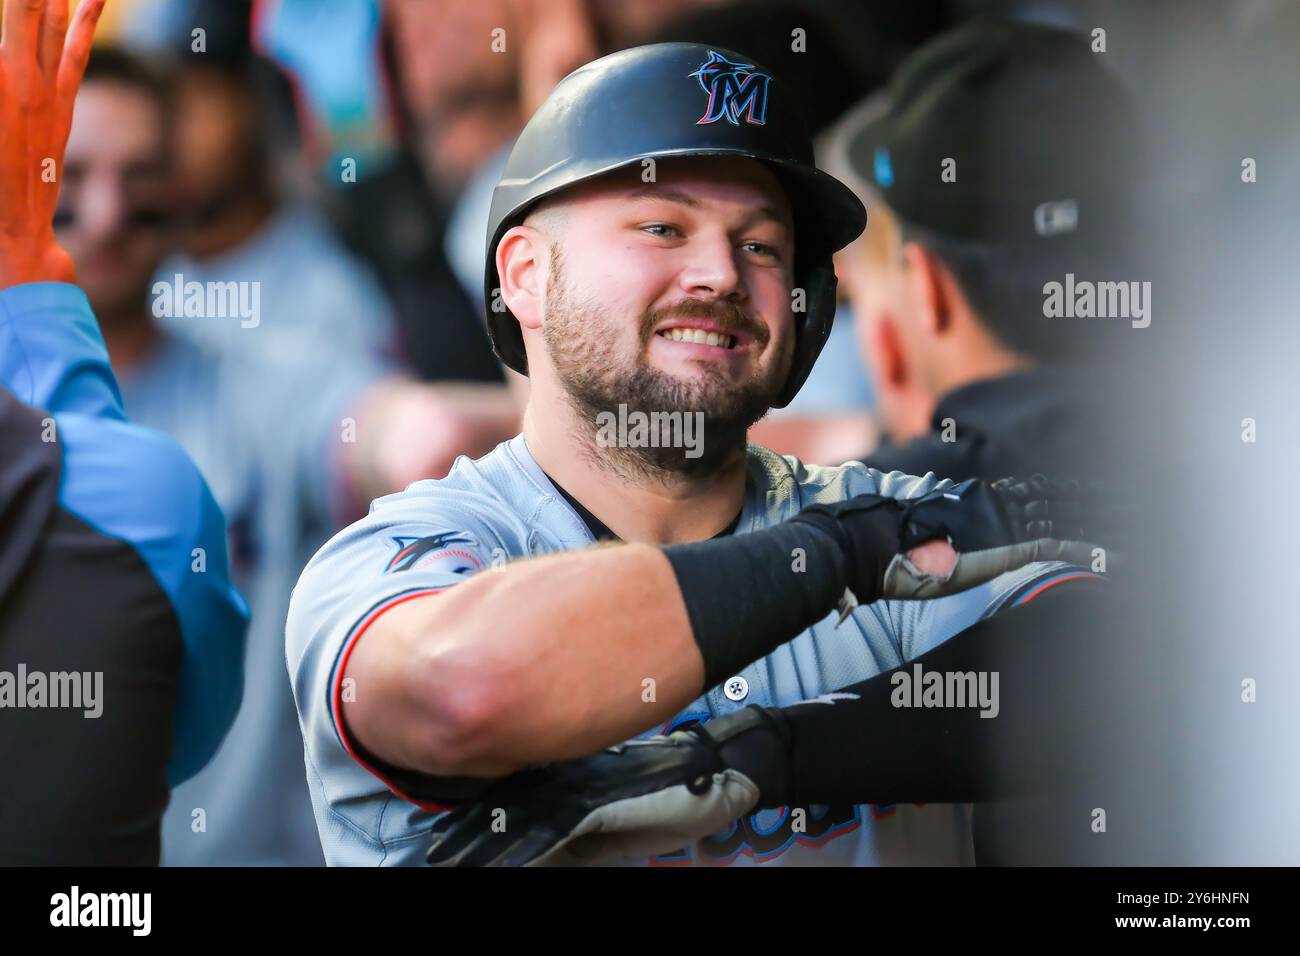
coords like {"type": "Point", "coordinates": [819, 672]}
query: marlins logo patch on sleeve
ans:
{"type": "Point", "coordinates": [450, 551]}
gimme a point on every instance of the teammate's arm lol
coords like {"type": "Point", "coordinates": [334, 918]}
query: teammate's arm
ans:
{"type": "Point", "coordinates": [1038, 732]}
{"type": "Point", "coordinates": [52, 356]}
{"type": "Point", "coordinates": [556, 657]}
{"type": "Point", "coordinates": [1042, 668]}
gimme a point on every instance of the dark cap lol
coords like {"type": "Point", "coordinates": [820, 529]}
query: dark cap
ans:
{"type": "Point", "coordinates": [999, 131]}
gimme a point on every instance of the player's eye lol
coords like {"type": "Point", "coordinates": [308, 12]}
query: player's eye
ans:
{"type": "Point", "coordinates": [763, 249]}
{"type": "Point", "coordinates": [667, 230]}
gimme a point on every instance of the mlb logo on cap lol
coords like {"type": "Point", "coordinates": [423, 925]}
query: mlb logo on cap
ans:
{"type": "Point", "coordinates": [884, 167]}
{"type": "Point", "coordinates": [1053, 218]}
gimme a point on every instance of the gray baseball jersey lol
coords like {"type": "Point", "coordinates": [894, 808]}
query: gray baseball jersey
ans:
{"type": "Point", "coordinates": [503, 507]}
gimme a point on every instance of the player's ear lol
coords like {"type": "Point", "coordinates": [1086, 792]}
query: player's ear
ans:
{"type": "Point", "coordinates": [925, 273]}
{"type": "Point", "coordinates": [520, 265]}
{"type": "Point", "coordinates": [888, 355]}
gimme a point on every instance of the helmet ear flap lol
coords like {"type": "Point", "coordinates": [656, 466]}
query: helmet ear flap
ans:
{"type": "Point", "coordinates": [812, 329]}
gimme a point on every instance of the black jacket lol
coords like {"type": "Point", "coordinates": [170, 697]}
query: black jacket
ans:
{"type": "Point", "coordinates": [1042, 420]}
{"type": "Point", "coordinates": [76, 788]}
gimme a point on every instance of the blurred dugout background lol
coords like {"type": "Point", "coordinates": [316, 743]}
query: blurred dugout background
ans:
{"type": "Point", "coordinates": [410, 96]}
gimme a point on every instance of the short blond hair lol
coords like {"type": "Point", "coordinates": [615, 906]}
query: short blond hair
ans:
{"type": "Point", "coordinates": [883, 237]}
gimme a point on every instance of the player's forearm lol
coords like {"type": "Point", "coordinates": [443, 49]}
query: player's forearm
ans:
{"type": "Point", "coordinates": [578, 652]}
{"type": "Point", "coordinates": [541, 660]}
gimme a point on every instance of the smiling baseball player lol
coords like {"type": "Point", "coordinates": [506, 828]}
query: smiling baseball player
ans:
{"type": "Point", "coordinates": [659, 245]}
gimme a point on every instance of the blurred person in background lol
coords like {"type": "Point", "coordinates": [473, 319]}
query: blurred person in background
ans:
{"type": "Point", "coordinates": [368, 142]}
{"type": "Point", "coordinates": [121, 635]}
{"type": "Point", "coordinates": [948, 283]}
{"type": "Point", "coordinates": [456, 89]}
{"type": "Point", "coordinates": [292, 445]}
{"type": "Point", "coordinates": [999, 160]}
{"type": "Point", "coordinates": [237, 217]}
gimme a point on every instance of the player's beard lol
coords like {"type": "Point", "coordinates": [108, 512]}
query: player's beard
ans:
{"type": "Point", "coordinates": [581, 338]}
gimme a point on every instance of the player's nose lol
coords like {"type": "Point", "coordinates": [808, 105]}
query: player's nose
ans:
{"type": "Point", "coordinates": [101, 209]}
{"type": "Point", "coordinates": [711, 271]}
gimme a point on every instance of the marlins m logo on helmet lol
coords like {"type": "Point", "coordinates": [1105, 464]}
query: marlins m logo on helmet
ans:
{"type": "Point", "coordinates": [734, 89]}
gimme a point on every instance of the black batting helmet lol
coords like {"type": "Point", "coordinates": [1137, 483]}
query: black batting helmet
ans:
{"type": "Point", "coordinates": [667, 100]}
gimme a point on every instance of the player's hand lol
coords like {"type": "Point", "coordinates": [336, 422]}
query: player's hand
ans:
{"type": "Point", "coordinates": [41, 64]}
{"type": "Point", "coordinates": [637, 799]}
{"type": "Point", "coordinates": [992, 528]}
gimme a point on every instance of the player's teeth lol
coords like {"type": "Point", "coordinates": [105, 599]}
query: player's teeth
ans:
{"type": "Point", "coordinates": [701, 337]}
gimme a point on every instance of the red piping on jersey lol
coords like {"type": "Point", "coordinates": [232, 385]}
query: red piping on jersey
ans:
{"type": "Point", "coordinates": [1043, 587]}
{"type": "Point", "coordinates": [336, 696]}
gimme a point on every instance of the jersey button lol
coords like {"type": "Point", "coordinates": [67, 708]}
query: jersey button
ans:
{"type": "Point", "coordinates": [737, 688]}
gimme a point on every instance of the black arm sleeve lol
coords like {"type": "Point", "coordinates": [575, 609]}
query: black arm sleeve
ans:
{"type": "Point", "coordinates": [777, 604]}
{"type": "Point", "coordinates": [1048, 656]}
{"type": "Point", "coordinates": [790, 575]}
